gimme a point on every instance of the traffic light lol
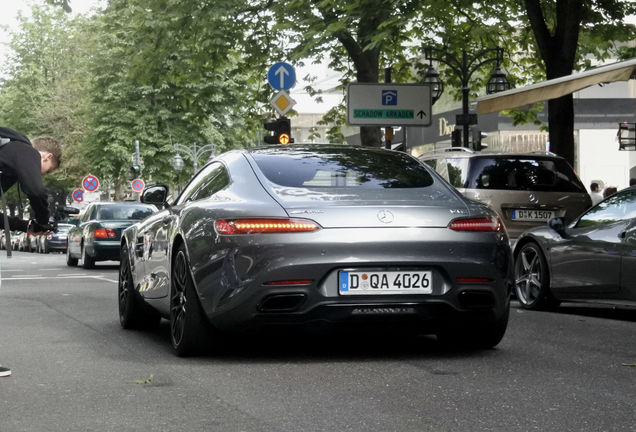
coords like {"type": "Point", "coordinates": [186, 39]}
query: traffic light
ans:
{"type": "Point", "coordinates": [135, 172]}
{"type": "Point", "coordinates": [284, 131]}
{"type": "Point", "coordinates": [281, 129]}
{"type": "Point", "coordinates": [456, 138]}
{"type": "Point", "coordinates": [477, 139]}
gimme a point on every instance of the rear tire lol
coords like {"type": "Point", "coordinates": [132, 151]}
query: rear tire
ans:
{"type": "Point", "coordinates": [189, 328]}
{"type": "Point", "coordinates": [532, 279]}
{"type": "Point", "coordinates": [88, 262]}
{"type": "Point", "coordinates": [476, 335]}
{"type": "Point", "coordinates": [133, 313]}
{"type": "Point", "coordinates": [70, 261]}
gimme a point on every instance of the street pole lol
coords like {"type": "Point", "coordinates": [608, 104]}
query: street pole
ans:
{"type": "Point", "coordinates": [196, 157]}
{"type": "Point", "coordinates": [137, 159]}
{"type": "Point", "coordinates": [464, 69]}
{"type": "Point", "coordinates": [388, 130]}
{"type": "Point", "coordinates": [465, 94]}
{"type": "Point", "coordinates": [137, 152]}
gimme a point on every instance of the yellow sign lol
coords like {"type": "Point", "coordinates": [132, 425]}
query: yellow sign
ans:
{"type": "Point", "coordinates": [283, 138]}
{"type": "Point", "coordinates": [282, 102]}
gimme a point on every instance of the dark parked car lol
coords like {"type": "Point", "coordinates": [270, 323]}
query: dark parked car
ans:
{"type": "Point", "coordinates": [98, 235]}
{"type": "Point", "coordinates": [306, 234]}
{"type": "Point", "coordinates": [54, 242]}
{"type": "Point", "coordinates": [593, 258]}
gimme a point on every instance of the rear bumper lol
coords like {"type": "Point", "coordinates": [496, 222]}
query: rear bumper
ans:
{"type": "Point", "coordinates": [104, 250]}
{"type": "Point", "coordinates": [236, 289]}
{"type": "Point", "coordinates": [430, 314]}
{"type": "Point", "coordinates": [56, 244]}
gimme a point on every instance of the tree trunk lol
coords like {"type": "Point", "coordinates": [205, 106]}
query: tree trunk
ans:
{"type": "Point", "coordinates": [561, 127]}
{"type": "Point", "coordinates": [370, 136]}
{"type": "Point", "coordinates": [557, 46]}
{"type": "Point", "coordinates": [366, 63]}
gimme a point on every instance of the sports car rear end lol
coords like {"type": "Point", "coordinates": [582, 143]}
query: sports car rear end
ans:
{"type": "Point", "coordinates": [366, 235]}
{"type": "Point", "coordinates": [306, 235]}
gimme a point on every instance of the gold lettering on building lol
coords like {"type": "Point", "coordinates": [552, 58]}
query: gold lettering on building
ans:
{"type": "Point", "coordinates": [444, 127]}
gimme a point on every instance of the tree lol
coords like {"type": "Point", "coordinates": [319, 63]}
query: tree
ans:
{"type": "Point", "coordinates": [169, 71]}
{"type": "Point", "coordinates": [557, 26]}
{"type": "Point", "coordinates": [356, 35]}
{"type": "Point", "coordinates": [43, 92]}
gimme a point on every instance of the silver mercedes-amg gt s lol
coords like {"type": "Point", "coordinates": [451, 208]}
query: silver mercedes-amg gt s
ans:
{"type": "Point", "coordinates": [299, 235]}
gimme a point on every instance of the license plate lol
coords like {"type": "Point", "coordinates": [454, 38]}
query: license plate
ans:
{"type": "Point", "coordinates": [385, 282]}
{"type": "Point", "coordinates": [532, 215]}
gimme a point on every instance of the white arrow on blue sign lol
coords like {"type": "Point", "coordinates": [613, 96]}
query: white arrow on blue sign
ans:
{"type": "Point", "coordinates": [281, 76]}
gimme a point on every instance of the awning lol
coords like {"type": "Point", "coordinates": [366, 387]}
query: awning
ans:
{"type": "Point", "coordinates": [557, 87]}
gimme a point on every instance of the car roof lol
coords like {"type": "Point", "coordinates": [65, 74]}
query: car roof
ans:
{"type": "Point", "coordinates": [463, 152]}
{"type": "Point", "coordinates": [309, 146]}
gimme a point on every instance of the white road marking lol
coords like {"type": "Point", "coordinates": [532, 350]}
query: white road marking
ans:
{"type": "Point", "coordinates": [98, 277]}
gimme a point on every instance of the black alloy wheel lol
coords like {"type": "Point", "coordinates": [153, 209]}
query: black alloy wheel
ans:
{"type": "Point", "coordinates": [189, 329]}
{"type": "Point", "coordinates": [125, 292]}
{"type": "Point", "coordinates": [532, 279]}
{"type": "Point", "coordinates": [133, 313]}
{"type": "Point", "coordinates": [70, 261]}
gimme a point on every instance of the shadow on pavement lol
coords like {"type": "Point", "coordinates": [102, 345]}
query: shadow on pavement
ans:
{"type": "Point", "coordinates": [276, 345]}
{"type": "Point", "coordinates": [594, 310]}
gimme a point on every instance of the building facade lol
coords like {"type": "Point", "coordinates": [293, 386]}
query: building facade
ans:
{"type": "Point", "coordinates": [598, 111]}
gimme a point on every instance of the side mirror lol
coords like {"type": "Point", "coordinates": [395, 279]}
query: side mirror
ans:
{"type": "Point", "coordinates": [558, 225]}
{"type": "Point", "coordinates": [155, 194]}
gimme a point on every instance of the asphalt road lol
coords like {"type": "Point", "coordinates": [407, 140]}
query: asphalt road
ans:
{"type": "Point", "coordinates": [75, 369]}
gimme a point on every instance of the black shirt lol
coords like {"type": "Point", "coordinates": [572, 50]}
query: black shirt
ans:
{"type": "Point", "coordinates": [21, 163]}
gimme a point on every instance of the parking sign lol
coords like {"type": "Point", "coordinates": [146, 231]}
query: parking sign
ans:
{"type": "Point", "coordinates": [372, 104]}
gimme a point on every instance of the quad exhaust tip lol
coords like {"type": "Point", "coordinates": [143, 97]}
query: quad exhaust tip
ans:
{"type": "Point", "coordinates": [282, 302]}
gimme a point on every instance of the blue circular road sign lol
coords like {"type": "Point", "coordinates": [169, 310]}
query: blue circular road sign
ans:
{"type": "Point", "coordinates": [90, 183]}
{"type": "Point", "coordinates": [137, 185]}
{"type": "Point", "coordinates": [78, 195]}
{"type": "Point", "coordinates": [281, 76]}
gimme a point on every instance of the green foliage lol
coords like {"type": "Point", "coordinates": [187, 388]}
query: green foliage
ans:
{"type": "Point", "coordinates": [43, 92]}
{"type": "Point", "coordinates": [170, 71]}
{"type": "Point", "coordinates": [182, 71]}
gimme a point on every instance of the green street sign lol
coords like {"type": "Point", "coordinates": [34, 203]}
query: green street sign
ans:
{"type": "Point", "coordinates": [382, 114]}
{"type": "Point", "coordinates": [371, 104]}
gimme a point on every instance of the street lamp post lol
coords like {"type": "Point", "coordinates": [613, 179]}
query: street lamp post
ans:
{"type": "Point", "coordinates": [195, 153]}
{"type": "Point", "coordinates": [177, 165]}
{"type": "Point", "coordinates": [464, 68]}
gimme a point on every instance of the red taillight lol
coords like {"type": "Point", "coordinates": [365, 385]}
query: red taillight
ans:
{"type": "Point", "coordinates": [472, 280]}
{"type": "Point", "coordinates": [492, 224]}
{"type": "Point", "coordinates": [290, 282]}
{"type": "Point", "coordinates": [265, 226]}
{"type": "Point", "coordinates": [105, 233]}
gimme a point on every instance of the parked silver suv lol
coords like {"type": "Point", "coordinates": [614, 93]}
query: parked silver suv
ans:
{"type": "Point", "coordinates": [526, 189]}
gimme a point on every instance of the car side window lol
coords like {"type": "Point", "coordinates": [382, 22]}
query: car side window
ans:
{"type": "Point", "coordinates": [205, 183]}
{"type": "Point", "coordinates": [217, 181]}
{"type": "Point", "coordinates": [621, 206]}
{"type": "Point", "coordinates": [457, 171]}
{"type": "Point", "coordinates": [442, 168]}
{"type": "Point", "coordinates": [87, 214]}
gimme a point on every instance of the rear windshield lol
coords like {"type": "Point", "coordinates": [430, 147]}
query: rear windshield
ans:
{"type": "Point", "coordinates": [124, 212]}
{"type": "Point", "coordinates": [514, 173]}
{"type": "Point", "coordinates": [342, 167]}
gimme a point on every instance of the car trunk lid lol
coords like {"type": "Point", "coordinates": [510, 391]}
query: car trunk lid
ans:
{"type": "Point", "coordinates": [384, 208]}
